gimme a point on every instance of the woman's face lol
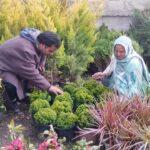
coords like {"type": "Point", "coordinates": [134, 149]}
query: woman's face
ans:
{"type": "Point", "coordinates": [119, 51]}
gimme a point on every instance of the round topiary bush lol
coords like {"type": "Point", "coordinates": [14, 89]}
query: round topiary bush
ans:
{"type": "Point", "coordinates": [37, 105]}
{"type": "Point", "coordinates": [63, 106]}
{"type": "Point", "coordinates": [45, 116]}
{"type": "Point", "coordinates": [83, 96]}
{"type": "Point", "coordinates": [66, 120]}
{"type": "Point", "coordinates": [84, 118]}
{"type": "Point", "coordinates": [38, 94]}
{"type": "Point", "coordinates": [64, 97]}
{"type": "Point", "coordinates": [70, 88]}
{"type": "Point", "coordinates": [96, 89]}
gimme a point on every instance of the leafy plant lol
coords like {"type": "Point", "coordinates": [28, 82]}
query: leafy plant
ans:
{"type": "Point", "coordinates": [37, 105]}
{"type": "Point", "coordinates": [45, 116]}
{"type": "Point", "coordinates": [95, 88]}
{"type": "Point", "coordinates": [121, 123]}
{"type": "Point", "coordinates": [83, 96]}
{"type": "Point", "coordinates": [38, 94]}
{"type": "Point", "coordinates": [70, 88]}
{"type": "Point", "coordinates": [64, 97]}
{"type": "Point", "coordinates": [63, 106]}
{"type": "Point", "coordinates": [140, 30]}
{"type": "Point", "coordinates": [84, 117]}
{"type": "Point", "coordinates": [84, 145]}
{"type": "Point", "coordinates": [104, 43]}
{"type": "Point", "coordinates": [66, 120]}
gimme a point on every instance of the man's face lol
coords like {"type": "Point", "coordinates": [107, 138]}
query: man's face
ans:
{"type": "Point", "coordinates": [119, 51]}
{"type": "Point", "coordinates": [47, 50]}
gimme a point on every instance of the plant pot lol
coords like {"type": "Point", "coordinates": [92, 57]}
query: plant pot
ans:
{"type": "Point", "coordinates": [68, 133]}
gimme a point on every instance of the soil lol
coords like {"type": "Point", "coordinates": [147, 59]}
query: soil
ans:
{"type": "Point", "coordinates": [23, 118]}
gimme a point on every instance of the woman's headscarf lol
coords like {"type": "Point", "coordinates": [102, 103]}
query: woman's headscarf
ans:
{"type": "Point", "coordinates": [130, 53]}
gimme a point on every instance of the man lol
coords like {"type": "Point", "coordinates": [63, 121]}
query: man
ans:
{"type": "Point", "coordinates": [23, 58]}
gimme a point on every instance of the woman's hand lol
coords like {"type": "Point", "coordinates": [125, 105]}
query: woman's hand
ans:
{"type": "Point", "coordinates": [98, 75]}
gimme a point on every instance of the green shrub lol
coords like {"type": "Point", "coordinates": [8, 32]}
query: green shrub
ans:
{"type": "Point", "coordinates": [63, 106]}
{"type": "Point", "coordinates": [64, 97]}
{"type": "Point", "coordinates": [83, 96]}
{"type": "Point", "coordinates": [84, 117]}
{"type": "Point", "coordinates": [38, 94]}
{"type": "Point", "coordinates": [66, 120]}
{"type": "Point", "coordinates": [90, 84]}
{"type": "Point", "coordinates": [95, 88]}
{"type": "Point", "coordinates": [104, 43]}
{"type": "Point", "coordinates": [37, 105]}
{"type": "Point", "coordinates": [70, 88]}
{"type": "Point", "coordinates": [45, 116]}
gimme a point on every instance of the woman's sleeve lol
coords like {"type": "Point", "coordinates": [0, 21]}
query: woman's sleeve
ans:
{"type": "Point", "coordinates": [135, 78]}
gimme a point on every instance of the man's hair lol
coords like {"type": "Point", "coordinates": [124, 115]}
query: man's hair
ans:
{"type": "Point", "coordinates": [49, 38]}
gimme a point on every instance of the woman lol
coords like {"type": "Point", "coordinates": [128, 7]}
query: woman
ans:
{"type": "Point", "coordinates": [127, 73]}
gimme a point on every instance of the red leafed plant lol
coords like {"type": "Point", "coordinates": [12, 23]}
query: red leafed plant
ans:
{"type": "Point", "coordinates": [121, 123]}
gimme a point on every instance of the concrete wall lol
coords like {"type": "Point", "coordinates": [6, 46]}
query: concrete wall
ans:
{"type": "Point", "coordinates": [119, 23]}
{"type": "Point", "coordinates": [117, 13]}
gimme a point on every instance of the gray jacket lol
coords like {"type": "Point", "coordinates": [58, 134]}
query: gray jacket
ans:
{"type": "Point", "coordinates": [20, 58]}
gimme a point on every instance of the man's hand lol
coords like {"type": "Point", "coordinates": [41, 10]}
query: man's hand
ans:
{"type": "Point", "coordinates": [55, 90]}
{"type": "Point", "coordinates": [98, 75]}
{"type": "Point", "coordinates": [41, 69]}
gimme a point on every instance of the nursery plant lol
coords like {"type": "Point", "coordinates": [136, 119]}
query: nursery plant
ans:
{"type": "Point", "coordinates": [38, 94]}
{"type": "Point", "coordinates": [121, 123]}
{"type": "Point", "coordinates": [66, 120]}
{"type": "Point", "coordinates": [84, 117]}
{"type": "Point", "coordinates": [37, 105]}
{"type": "Point", "coordinates": [70, 88]}
{"type": "Point", "coordinates": [64, 97]}
{"type": "Point", "coordinates": [63, 106]}
{"type": "Point", "coordinates": [96, 88]}
{"type": "Point", "coordinates": [45, 116]}
{"type": "Point", "coordinates": [83, 96]}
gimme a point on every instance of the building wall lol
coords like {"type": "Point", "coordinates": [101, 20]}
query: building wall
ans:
{"type": "Point", "coordinates": [117, 13]}
{"type": "Point", "coordinates": [119, 23]}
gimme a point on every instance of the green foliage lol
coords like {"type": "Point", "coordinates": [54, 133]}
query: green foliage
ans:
{"type": "Point", "coordinates": [37, 94]}
{"type": "Point", "coordinates": [64, 97]}
{"type": "Point", "coordinates": [45, 116]}
{"type": "Point", "coordinates": [15, 130]}
{"type": "Point", "coordinates": [140, 30]}
{"type": "Point", "coordinates": [37, 105]}
{"type": "Point", "coordinates": [83, 96]}
{"type": "Point", "coordinates": [71, 88]}
{"type": "Point", "coordinates": [79, 38]}
{"type": "Point", "coordinates": [66, 120]}
{"type": "Point", "coordinates": [11, 12]}
{"type": "Point", "coordinates": [104, 42]}
{"type": "Point", "coordinates": [63, 106]}
{"type": "Point", "coordinates": [90, 84]}
{"type": "Point", "coordinates": [84, 117]}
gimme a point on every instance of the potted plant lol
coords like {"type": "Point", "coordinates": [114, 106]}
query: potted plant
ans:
{"type": "Point", "coordinates": [84, 118]}
{"type": "Point", "coordinates": [37, 105]}
{"type": "Point", "coordinates": [65, 125]}
{"type": "Point", "coordinates": [71, 88]}
{"type": "Point", "coordinates": [83, 96]}
{"type": "Point", "coordinates": [38, 94]}
{"type": "Point", "coordinates": [63, 106]}
{"type": "Point", "coordinates": [43, 118]}
{"type": "Point", "coordinates": [95, 88]}
{"type": "Point", "coordinates": [64, 97]}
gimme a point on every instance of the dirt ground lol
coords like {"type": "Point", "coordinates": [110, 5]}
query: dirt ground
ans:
{"type": "Point", "coordinates": [22, 118]}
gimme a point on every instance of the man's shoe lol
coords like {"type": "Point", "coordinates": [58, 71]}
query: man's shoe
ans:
{"type": "Point", "coordinates": [16, 108]}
